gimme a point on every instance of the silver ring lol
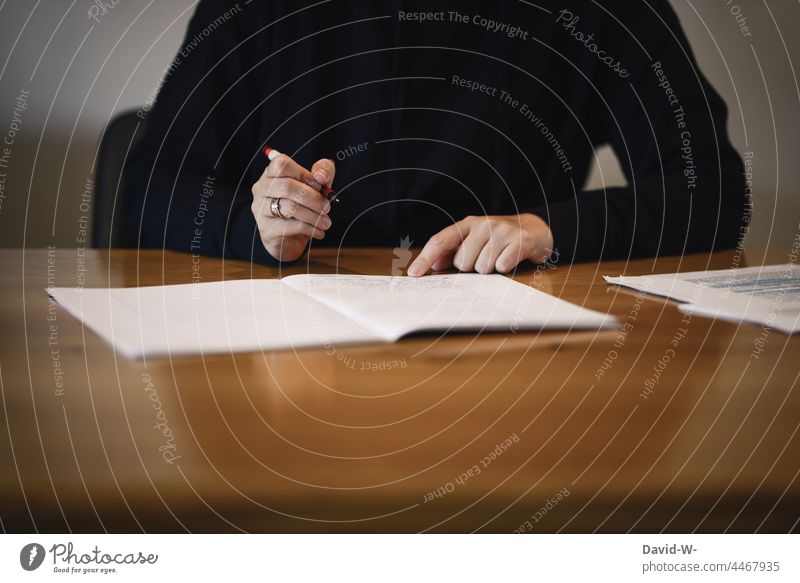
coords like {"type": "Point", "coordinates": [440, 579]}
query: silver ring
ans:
{"type": "Point", "coordinates": [275, 208]}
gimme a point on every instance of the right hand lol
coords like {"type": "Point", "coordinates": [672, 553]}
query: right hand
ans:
{"type": "Point", "coordinates": [305, 209]}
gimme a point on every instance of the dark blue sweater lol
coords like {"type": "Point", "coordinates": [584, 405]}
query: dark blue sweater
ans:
{"type": "Point", "coordinates": [438, 110]}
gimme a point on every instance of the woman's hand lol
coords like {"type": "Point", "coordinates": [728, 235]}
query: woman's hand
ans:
{"type": "Point", "coordinates": [485, 244]}
{"type": "Point", "coordinates": [303, 209]}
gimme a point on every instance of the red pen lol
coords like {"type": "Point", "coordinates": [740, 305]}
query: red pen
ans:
{"type": "Point", "coordinates": [329, 193]}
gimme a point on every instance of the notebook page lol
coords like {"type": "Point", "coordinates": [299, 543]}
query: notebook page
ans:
{"type": "Point", "coordinates": [204, 318]}
{"type": "Point", "coordinates": [393, 306]}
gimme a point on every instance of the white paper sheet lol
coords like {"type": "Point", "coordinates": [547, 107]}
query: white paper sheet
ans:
{"type": "Point", "coordinates": [205, 318]}
{"type": "Point", "coordinates": [394, 306]}
{"type": "Point", "coordinates": [768, 295]}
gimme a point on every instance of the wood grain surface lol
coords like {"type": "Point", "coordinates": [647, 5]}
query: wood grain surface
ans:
{"type": "Point", "coordinates": [674, 424]}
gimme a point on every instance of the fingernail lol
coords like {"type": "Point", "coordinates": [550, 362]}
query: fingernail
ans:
{"type": "Point", "coordinates": [414, 270]}
{"type": "Point", "coordinates": [321, 175]}
{"type": "Point", "coordinates": [326, 207]}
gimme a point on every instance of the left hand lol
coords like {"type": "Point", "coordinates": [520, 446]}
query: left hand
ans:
{"type": "Point", "coordinates": [485, 244]}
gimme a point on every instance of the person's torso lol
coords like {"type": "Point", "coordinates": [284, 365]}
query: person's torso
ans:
{"type": "Point", "coordinates": [433, 111]}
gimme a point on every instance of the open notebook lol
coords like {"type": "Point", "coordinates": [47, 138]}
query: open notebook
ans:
{"type": "Point", "coordinates": [313, 310]}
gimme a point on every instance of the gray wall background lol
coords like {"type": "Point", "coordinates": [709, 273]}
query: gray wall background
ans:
{"type": "Point", "coordinates": [79, 72]}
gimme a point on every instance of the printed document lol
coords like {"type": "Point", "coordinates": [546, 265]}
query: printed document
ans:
{"type": "Point", "coordinates": [768, 295]}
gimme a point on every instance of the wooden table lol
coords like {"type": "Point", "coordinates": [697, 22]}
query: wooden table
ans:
{"type": "Point", "coordinates": [676, 425]}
